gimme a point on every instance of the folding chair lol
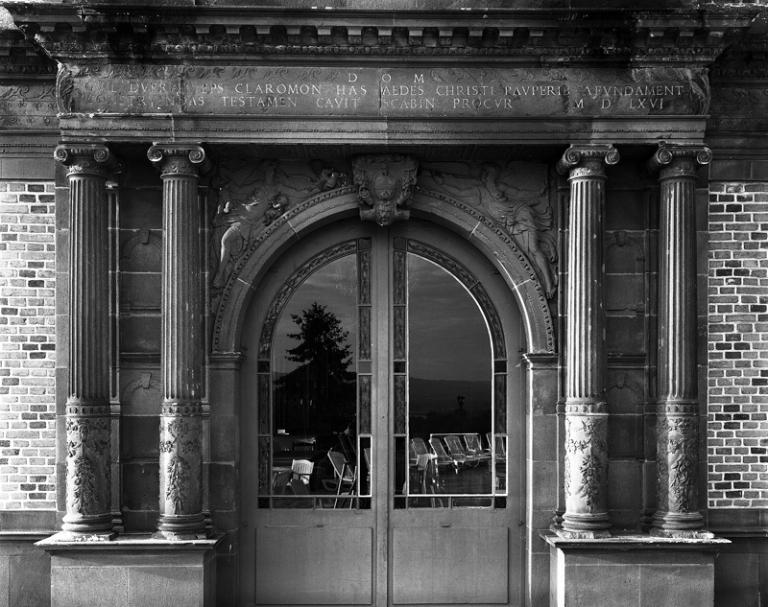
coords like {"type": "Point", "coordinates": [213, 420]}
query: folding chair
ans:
{"type": "Point", "coordinates": [345, 476]}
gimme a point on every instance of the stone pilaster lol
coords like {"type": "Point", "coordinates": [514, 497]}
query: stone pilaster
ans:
{"type": "Point", "coordinates": [183, 343]}
{"type": "Point", "coordinates": [88, 500]}
{"type": "Point", "coordinates": [677, 459]}
{"type": "Point", "coordinates": [586, 417]}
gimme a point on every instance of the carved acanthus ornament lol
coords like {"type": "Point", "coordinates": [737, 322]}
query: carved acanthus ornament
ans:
{"type": "Point", "coordinates": [385, 184]}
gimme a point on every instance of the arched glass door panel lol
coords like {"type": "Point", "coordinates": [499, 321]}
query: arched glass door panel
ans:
{"type": "Point", "coordinates": [312, 443]}
{"type": "Point", "coordinates": [449, 453]}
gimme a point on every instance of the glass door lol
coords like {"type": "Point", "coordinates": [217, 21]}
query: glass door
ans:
{"type": "Point", "coordinates": [381, 461]}
{"type": "Point", "coordinates": [449, 525]}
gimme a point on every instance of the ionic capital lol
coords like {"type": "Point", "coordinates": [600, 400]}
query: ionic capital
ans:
{"type": "Point", "coordinates": [587, 160]}
{"type": "Point", "coordinates": [679, 160]}
{"type": "Point", "coordinates": [92, 159]}
{"type": "Point", "coordinates": [177, 160]}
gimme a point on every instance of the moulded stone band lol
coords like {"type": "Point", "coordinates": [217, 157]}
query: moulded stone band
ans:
{"type": "Point", "coordinates": [678, 408]}
{"type": "Point", "coordinates": [181, 408]}
{"type": "Point", "coordinates": [585, 408]}
{"type": "Point", "coordinates": [80, 409]}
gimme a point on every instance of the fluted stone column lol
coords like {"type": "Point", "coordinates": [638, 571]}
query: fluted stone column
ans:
{"type": "Point", "coordinates": [88, 500]}
{"type": "Point", "coordinates": [586, 417]}
{"type": "Point", "coordinates": [677, 419]}
{"type": "Point", "coordinates": [183, 343]}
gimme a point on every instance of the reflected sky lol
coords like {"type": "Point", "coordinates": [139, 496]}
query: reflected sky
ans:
{"type": "Point", "coordinates": [448, 336]}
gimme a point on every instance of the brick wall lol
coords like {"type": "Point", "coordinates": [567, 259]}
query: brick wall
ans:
{"type": "Point", "coordinates": [27, 348]}
{"type": "Point", "coordinates": [737, 443]}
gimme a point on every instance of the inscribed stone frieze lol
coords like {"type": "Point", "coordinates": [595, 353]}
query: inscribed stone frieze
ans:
{"type": "Point", "coordinates": [396, 92]}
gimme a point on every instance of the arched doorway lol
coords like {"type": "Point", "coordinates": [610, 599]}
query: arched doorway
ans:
{"type": "Point", "coordinates": [383, 404]}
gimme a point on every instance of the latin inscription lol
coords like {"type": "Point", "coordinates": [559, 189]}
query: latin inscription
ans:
{"type": "Point", "coordinates": [395, 92]}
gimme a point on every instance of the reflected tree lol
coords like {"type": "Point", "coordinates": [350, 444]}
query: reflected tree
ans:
{"type": "Point", "coordinates": [320, 393]}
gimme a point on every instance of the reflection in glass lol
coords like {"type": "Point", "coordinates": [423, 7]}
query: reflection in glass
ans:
{"type": "Point", "coordinates": [450, 396]}
{"type": "Point", "coordinates": [314, 391]}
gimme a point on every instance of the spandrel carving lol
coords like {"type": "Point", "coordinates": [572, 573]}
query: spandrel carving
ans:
{"type": "Point", "coordinates": [253, 194]}
{"type": "Point", "coordinates": [516, 195]}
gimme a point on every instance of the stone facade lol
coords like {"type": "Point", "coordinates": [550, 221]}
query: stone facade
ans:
{"type": "Point", "coordinates": [639, 266]}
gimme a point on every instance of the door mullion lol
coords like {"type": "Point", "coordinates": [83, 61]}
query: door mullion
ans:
{"type": "Point", "coordinates": [381, 397]}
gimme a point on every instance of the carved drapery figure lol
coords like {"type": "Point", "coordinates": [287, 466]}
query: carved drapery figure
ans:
{"type": "Point", "coordinates": [525, 213]}
{"type": "Point", "coordinates": [255, 194]}
{"type": "Point", "coordinates": [385, 185]}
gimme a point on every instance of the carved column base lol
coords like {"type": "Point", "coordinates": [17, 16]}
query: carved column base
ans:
{"type": "Point", "coordinates": [86, 529]}
{"type": "Point", "coordinates": [679, 524]}
{"type": "Point", "coordinates": [181, 527]}
{"type": "Point", "coordinates": [585, 526]}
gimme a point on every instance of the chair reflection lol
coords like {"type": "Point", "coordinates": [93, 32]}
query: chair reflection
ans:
{"type": "Point", "coordinates": [301, 471]}
{"type": "Point", "coordinates": [345, 476]}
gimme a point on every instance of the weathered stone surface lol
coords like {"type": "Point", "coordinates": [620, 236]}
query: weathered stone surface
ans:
{"type": "Point", "coordinates": [132, 572]}
{"type": "Point", "coordinates": [632, 571]}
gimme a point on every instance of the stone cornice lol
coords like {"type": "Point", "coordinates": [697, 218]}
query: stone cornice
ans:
{"type": "Point", "coordinates": [72, 33]}
{"type": "Point", "coordinates": [20, 58]}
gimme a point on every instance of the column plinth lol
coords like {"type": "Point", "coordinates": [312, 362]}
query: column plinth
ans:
{"type": "Point", "coordinates": [586, 416]}
{"type": "Point", "coordinates": [88, 449]}
{"type": "Point", "coordinates": [183, 343]}
{"type": "Point", "coordinates": [677, 433]}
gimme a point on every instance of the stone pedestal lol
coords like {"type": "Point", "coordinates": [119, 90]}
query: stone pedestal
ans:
{"type": "Point", "coordinates": [632, 571]}
{"type": "Point", "coordinates": [132, 572]}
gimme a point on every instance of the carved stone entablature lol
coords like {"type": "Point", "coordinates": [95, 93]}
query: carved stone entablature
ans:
{"type": "Point", "coordinates": [87, 159]}
{"type": "Point", "coordinates": [21, 59]}
{"type": "Point", "coordinates": [550, 34]}
{"type": "Point", "coordinates": [385, 184]}
{"type": "Point", "coordinates": [673, 160]}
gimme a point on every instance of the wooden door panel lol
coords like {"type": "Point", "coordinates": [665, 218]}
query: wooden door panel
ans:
{"type": "Point", "coordinates": [300, 565]}
{"type": "Point", "coordinates": [450, 565]}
